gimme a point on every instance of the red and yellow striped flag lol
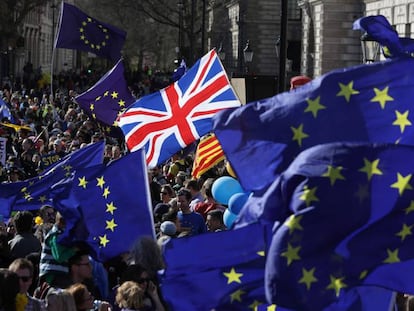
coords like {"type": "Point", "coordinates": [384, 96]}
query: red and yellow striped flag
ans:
{"type": "Point", "coordinates": [208, 154]}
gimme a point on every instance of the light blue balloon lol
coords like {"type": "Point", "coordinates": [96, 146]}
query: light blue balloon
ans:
{"type": "Point", "coordinates": [229, 218]}
{"type": "Point", "coordinates": [224, 187]}
{"type": "Point", "coordinates": [237, 202]}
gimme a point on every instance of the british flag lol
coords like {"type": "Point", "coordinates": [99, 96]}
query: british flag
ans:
{"type": "Point", "coordinates": [166, 121]}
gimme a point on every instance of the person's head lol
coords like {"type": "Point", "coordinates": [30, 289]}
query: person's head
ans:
{"type": "Point", "coordinates": [80, 267]}
{"type": "Point", "coordinates": [116, 152]}
{"type": "Point", "coordinates": [180, 178]}
{"type": "Point", "coordinates": [60, 300]}
{"type": "Point", "coordinates": [168, 228]}
{"type": "Point", "coordinates": [214, 220]}
{"type": "Point", "coordinates": [48, 214]}
{"type": "Point", "coordinates": [167, 193]}
{"type": "Point", "coordinates": [130, 296]}
{"type": "Point", "coordinates": [23, 222]}
{"type": "Point", "coordinates": [24, 270]}
{"type": "Point", "coordinates": [159, 210]}
{"type": "Point", "coordinates": [138, 274]}
{"type": "Point", "coordinates": [206, 188]}
{"type": "Point", "coordinates": [9, 288]}
{"type": "Point", "coordinates": [146, 253]}
{"type": "Point", "coordinates": [183, 200]}
{"type": "Point", "coordinates": [193, 186]}
{"type": "Point", "coordinates": [83, 298]}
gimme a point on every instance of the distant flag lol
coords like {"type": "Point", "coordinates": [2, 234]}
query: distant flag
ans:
{"type": "Point", "coordinates": [108, 98]}
{"type": "Point", "coordinates": [102, 209]}
{"type": "Point", "coordinates": [166, 121]}
{"type": "Point", "coordinates": [79, 31]}
{"type": "Point", "coordinates": [180, 71]}
{"type": "Point", "coordinates": [17, 127]}
{"type": "Point", "coordinates": [367, 103]}
{"type": "Point", "coordinates": [208, 154]}
{"type": "Point", "coordinates": [235, 270]}
{"type": "Point", "coordinates": [379, 29]}
{"type": "Point", "coordinates": [350, 225]}
{"type": "Point", "coordinates": [5, 111]}
{"type": "Point", "coordinates": [32, 193]}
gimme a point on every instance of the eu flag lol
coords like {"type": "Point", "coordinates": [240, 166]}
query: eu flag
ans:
{"type": "Point", "coordinates": [106, 207]}
{"type": "Point", "coordinates": [351, 222]}
{"type": "Point", "coordinates": [220, 271]}
{"type": "Point", "coordinates": [108, 98]}
{"type": "Point", "coordinates": [79, 31]}
{"type": "Point", "coordinates": [32, 193]}
{"type": "Point", "coordinates": [367, 103]}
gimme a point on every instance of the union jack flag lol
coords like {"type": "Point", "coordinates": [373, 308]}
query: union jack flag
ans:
{"type": "Point", "coordinates": [166, 121]}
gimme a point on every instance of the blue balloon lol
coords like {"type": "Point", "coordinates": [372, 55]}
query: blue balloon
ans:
{"type": "Point", "coordinates": [229, 218]}
{"type": "Point", "coordinates": [237, 201]}
{"type": "Point", "coordinates": [224, 187]}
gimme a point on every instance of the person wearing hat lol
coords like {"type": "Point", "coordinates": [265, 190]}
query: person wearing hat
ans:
{"type": "Point", "coordinates": [298, 81]}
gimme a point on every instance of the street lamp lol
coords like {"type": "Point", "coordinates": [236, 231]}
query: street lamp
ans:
{"type": "Point", "coordinates": [277, 46]}
{"type": "Point", "coordinates": [248, 53]}
{"type": "Point", "coordinates": [370, 49]}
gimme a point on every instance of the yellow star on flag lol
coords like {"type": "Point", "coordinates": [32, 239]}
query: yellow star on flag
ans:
{"type": "Point", "coordinates": [347, 90]}
{"type": "Point", "coordinates": [371, 168]}
{"type": "Point", "coordinates": [392, 256]}
{"type": "Point", "coordinates": [298, 134]}
{"type": "Point", "coordinates": [336, 284]}
{"type": "Point", "coordinates": [363, 274]}
{"type": "Point", "coordinates": [106, 93]}
{"type": "Point", "coordinates": [402, 120]}
{"type": "Point", "coordinates": [309, 195]}
{"type": "Point", "coordinates": [233, 276]}
{"type": "Point", "coordinates": [271, 308]}
{"type": "Point", "coordinates": [308, 277]}
{"type": "Point", "coordinates": [110, 208]}
{"type": "Point", "coordinates": [334, 173]}
{"type": "Point", "coordinates": [410, 208]}
{"type": "Point", "coordinates": [314, 106]}
{"type": "Point", "coordinates": [82, 182]}
{"type": "Point", "coordinates": [111, 224]}
{"type": "Point", "coordinates": [293, 223]}
{"type": "Point", "coordinates": [101, 182]}
{"type": "Point", "coordinates": [103, 240]}
{"type": "Point", "coordinates": [106, 192]}
{"type": "Point", "coordinates": [405, 231]}
{"type": "Point", "coordinates": [114, 95]}
{"type": "Point", "coordinates": [402, 183]}
{"type": "Point", "coordinates": [291, 254]}
{"type": "Point", "coordinates": [236, 296]}
{"type": "Point", "coordinates": [98, 98]}
{"type": "Point", "coordinates": [42, 199]}
{"type": "Point", "coordinates": [382, 97]}
{"type": "Point", "coordinates": [254, 305]}
{"type": "Point", "coordinates": [121, 103]}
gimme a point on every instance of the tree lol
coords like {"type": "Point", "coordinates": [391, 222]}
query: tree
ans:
{"type": "Point", "coordinates": [12, 14]}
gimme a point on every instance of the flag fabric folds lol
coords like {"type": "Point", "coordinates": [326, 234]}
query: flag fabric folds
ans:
{"type": "Point", "coordinates": [208, 154]}
{"type": "Point", "coordinates": [351, 224]}
{"type": "Point", "coordinates": [379, 29]}
{"type": "Point", "coordinates": [32, 193]}
{"type": "Point", "coordinates": [108, 98]}
{"type": "Point", "coordinates": [367, 103]}
{"type": "Point", "coordinates": [106, 206]}
{"type": "Point", "coordinates": [5, 111]}
{"type": "Point", "coordinates": [79, 31]}
{"type": "Point", "coordinates": [221, 270]}
{"type": "Point", "coordinates": [166, 121]}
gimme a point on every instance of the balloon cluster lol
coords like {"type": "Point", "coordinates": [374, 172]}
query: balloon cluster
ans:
{"type": "Point", "coordinates": [227, 191]}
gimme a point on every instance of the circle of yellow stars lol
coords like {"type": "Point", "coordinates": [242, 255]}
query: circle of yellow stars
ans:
{"type": "Point", "coordinates": [83, 35]}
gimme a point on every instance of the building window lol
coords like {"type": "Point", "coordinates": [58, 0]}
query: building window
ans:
{"type": "Point", "coordinates": [294, 12]}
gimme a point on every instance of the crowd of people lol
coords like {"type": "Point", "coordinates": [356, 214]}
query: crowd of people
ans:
{"type": "Point", "coordinates": [36, 272]}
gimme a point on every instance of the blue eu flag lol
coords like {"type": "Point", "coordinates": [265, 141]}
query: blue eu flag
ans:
{"type": "Point", "coordinates": [106, 207]}
{"type": "Point", "coordinates": [367, 103]}
{"type": "Point", "coordinates": [79, 31]}
{"type": "Point", "coordinates": [220, 271]}
{"type": "Point", "coordinates": [32, 193]}
{"type": "Point", "coordinates": [107, 99]}
{"type": "Point", "coordinates": [351, 219]}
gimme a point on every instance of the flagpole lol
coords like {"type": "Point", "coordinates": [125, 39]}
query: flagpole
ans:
{"type": "Point", "coordinates": [55, 33]}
